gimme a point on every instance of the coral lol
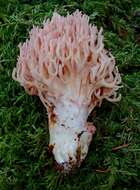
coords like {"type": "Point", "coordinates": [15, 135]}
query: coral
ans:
{"type": "Point", "coordinates": [66, 65]}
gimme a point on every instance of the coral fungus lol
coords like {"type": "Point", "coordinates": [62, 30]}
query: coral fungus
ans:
{"type": "Point", "coordinates": [64, 62]}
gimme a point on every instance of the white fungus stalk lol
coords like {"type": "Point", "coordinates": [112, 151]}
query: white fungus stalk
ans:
{"type": "Point", "coordinates": [70, 134]}
{"type": "Point", "coordinates": [66, 65]}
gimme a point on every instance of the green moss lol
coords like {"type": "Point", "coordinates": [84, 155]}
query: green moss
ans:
{"type": "Point", "coordinates": [25, 162]}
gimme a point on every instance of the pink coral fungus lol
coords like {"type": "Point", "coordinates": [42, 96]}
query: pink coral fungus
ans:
{"type": "Point", "coordinates": [66, 65]}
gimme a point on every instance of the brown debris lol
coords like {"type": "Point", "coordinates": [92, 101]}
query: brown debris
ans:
{"type": "Point", "coordinates": [120, 147]}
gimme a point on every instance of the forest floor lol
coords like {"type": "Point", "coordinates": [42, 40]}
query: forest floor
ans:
{"type": "Point", "coordinates": [113, 161]}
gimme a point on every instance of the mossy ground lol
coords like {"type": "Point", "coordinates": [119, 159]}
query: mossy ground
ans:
{"type": "Point", "coordinates": [25, 163]}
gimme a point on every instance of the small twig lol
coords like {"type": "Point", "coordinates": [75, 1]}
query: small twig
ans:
{"type": "Point", "coordinates": [119, 147]}
{"type": "Point", "coordinates": [103, 170]}
{"type": "Point", "coordinates": [67, 6]}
